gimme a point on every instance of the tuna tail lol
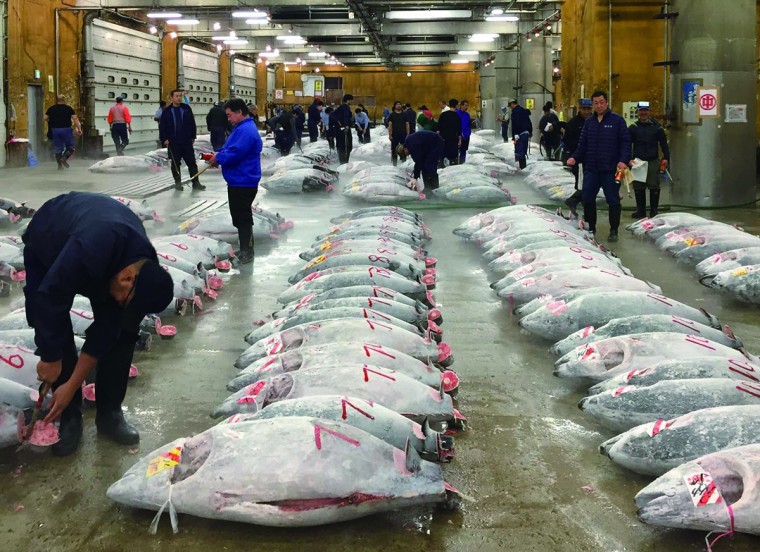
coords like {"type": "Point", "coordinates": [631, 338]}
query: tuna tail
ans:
{"type": "Point", "coordinates": [413, 460]}
{"type": "Point", "coordinates": [730, 334]}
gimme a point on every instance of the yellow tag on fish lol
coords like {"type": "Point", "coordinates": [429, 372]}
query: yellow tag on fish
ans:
{"type": "Point", "coordinates": [315, 261]}
{"type": "Point", "coordinates": [690, 242]}
{"type": "Point", "coordinates": [739, 271]}
{"type": "Point", "coordinates": [456, 190]}
{"type": "Point", "coordinates": [326, 245]}
{"type": "Point", "coordinates": [163, 461]}
{"type": "Point", "coordinates": [184, 226]}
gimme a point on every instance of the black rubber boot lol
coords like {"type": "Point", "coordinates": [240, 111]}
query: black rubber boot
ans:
{"type": "Point", "coordinates": [69, 432]}
{"type": "Point", "coordinates": [589, 215]}
{"type": "Point", "coordinates": [641, 204]}
{"type": "Point", "coordinates": [197, 184]}
{"type": "Point", "coordinates": [178, 185]}
{"type": "Point", "coordinates": [573, 201]}
{"type": "Point", "coordinates": [615, 211]}
{"type": "Point", "coordinates": [113, 425]}
{"type": "Point", "coordinates": [522, 162]}
{"type": "Point", "coordinates": [59, 160]}
{"type": "Point", "coordinates": [654, 202]}
{"type": "Point", "coordinates": [245, 236]}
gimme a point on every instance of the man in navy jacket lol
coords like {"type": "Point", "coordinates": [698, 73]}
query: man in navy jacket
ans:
{"type": "Point", "coordinates": [604, 147]}
{"type": "Point", "coordinates": [177, 131]}
{"type": "Point", "coordinates": [522, 129]}
{"type": "Point", "coordinates": [340, 126]}
{"type": "Point", "coordinates": [314, 118]}
{"type": "Point", "coordinates": [92, 245]}
{"type": "Point", "coordinates": [426, 149]}
{"type": "Point", "coordinates": [240, 159]}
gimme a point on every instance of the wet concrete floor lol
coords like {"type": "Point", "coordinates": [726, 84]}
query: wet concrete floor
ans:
{"type": "Point", "coordinates": [530, 459]}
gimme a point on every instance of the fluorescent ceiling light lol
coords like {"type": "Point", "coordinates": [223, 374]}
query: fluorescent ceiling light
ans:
{"type": "Point", "coordinates": [460, 61]}
{"type": "Point", "coordinates": [257, 21]}
{"type": "Point", "coordinates": [217, 25]}
{"type": "Point", "coordinates": [250, 14]}
{"type": "Point", "coordinates": [269, 54]}
{"type": "Point", "coordinates": [164, 15]}
{"type": "Point", "coordinates": [468, 52]}
{"type": "Point", "coordinates": [288, 38]}
{"type": "Point", "coordinates": [318, 54]}
{"type": "Point", "coordinates": [497, 11]}
{"type": "Point", "coordinates": [483, 37]}
{"type": "Point", "coordinates": [424, 15]}
{"type": "Point", "coordinates": [236, 41]}
{"type": "Point", "coordinates": [502, 18]}
{"type": "Point", "coordinates": [179, 22]}
{"type": "Point", "coordinates": [222, 37]}
{"type": "Point", "coordinates": [330, 62]}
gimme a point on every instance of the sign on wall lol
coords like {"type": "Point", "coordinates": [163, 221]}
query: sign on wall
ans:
{"type": "Point", "coordinates": [689, 115]}
{"type": "Point", "coordinates": [278, 94]}
{"type": "Point", "coordinates": [313, 85]}
{"type": "Point", "coordinates": [530, 103]}
{"type": "Point", "coordinates": [708, 102]}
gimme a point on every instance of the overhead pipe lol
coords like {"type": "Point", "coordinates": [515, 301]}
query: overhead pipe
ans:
{"type": "Point", "coordinates": [181, 63]}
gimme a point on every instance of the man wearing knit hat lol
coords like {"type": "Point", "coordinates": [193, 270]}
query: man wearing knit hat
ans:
{"type": "Point", "coordinates": [92, 245]}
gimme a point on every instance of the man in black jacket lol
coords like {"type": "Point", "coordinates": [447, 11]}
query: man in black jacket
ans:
{"type": "Point", "coordinates": [550, 135]}
{"type": "Point", "coordinates": [340, 126]}
{"type": "Point", "coordinates": [177, 131]}
{"type": "Point", "coordinates": [570, 139]}
{"type": "Point", "coordinates": [92, 245]}
{"type": "Point", "coordinates": [315, 116]}
{"type": "Point", "coordinates": [646, 136]}
{"type": "Point", "coordinates": [450, 129]}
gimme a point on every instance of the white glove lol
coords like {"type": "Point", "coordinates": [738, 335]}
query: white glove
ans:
{"type": "Point", "coordinates": [415, 184]}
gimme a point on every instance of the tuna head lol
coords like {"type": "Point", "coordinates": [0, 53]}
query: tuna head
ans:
{"type": "Point", "coordinates": [717, 492]}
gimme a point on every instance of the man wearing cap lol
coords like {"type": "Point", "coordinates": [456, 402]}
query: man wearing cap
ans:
{"type": "Point", "coordinates": [522, 129]}
{"type": "Point", "coordinates": [646, 136]}
{"type": "Point", "coordinates": [504, 120]}
{"type": "Point", "coordinates": [92, 245]}
{"type": "Point", "coordinates": [603, 148]}
{"type": "Point", "coordinates": [570, 139]}
{"type": "Point", "coordinates": [426, 149]}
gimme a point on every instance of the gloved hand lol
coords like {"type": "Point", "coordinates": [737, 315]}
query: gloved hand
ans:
{"type": "Point", "coordinates": [663, 165]}
{"type": "Point", "coordinates": [412, 184]}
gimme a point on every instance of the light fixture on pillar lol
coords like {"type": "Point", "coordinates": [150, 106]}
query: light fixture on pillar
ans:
{"type": "Point", "coordinates": [153, 29]}
{"type": "Point", "coordinates": [536, 34]}
{"type": "Point", "coordinates": [528, 38]}
{"type": "Point", "coordinates": [409, 74]}
{"type": "Point", "coordinates": [173, 34]}
{"type": "Point", "coordinates": [217, 25]}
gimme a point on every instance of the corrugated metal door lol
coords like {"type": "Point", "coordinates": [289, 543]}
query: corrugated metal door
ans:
{"type": "Point", "coordinates": [201, 82]}
{"type": "Point", "coordinates": [244, 77]}
{"type": "Point", "coordinates": [128, 64]}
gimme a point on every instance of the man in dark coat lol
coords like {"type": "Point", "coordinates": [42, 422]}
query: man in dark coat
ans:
{"type": "Point", "coordinates": [216, 121]}
{"type": "Point", "coordinates": [450, 129]}
{"type": "Point", "coordinates": [604, 148]}
{"type": "Point", "coordinates": [522, 130]}
{"type": "Point", "coordinates": [177, 131]}
{"type": "Point", "coordinates": [315, 116]}
{"type": "Point", "coordinates": [550, 132]}
{"type": "Point", "coordinates": [340, 126]}
{"type": "Point", "coordinates": [646, 136]}
{"type": "Point", "coordinates": [426, 149]}
{"type": "Point", "coordinates": [570, 139]}
{"type": "Point", "coordinates": [92, 245]}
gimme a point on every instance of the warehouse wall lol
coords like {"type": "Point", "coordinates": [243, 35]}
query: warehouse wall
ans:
{"type": "Point", "coordinates": [427, 85]}
{"type": "Point", "coordinates": [637, 43]}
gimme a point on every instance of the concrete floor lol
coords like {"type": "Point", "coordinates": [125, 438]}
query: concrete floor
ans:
{"type": "Point", "coordinates": [526, 459]}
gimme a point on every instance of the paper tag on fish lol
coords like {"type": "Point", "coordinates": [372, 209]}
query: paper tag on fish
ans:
{"type": "Point", "coordinates": [515, 257]}
{"type": "Point", "coordinates": [589, 353]}
{"type": "Point", "coordinates": [702, 489]}
{"type": "Point", "coordinates": [647, 225]}
{"type": "Point", "coordinates": [326, 245]}
{"type": "Point", "coordinates": [741, 271]}
{"type": "Point", "coordinates": [624, 389]}
{"type": "Point", "coordinates": [274, 346]}
{"type": "Point", "coordinates": [315, 261]}
{"type": "Point", "coordinates": [528, 282]}
{"type": "Point", "coordinates": [656, 427]}
{"type": "Point", "coordinates": [557, 307]}
{"type": "Point", "coordinates": [690, 242]}
{"type": "Point", "coordinates": [522, 272]}
{"type": "Point", "coordinates": [163, 461]}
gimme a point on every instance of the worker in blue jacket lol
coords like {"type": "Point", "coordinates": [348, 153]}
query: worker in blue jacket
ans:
{"type": "Point", "coordinates": [522, 130]}
{"type": "Point", "coordinates": [240, 159]}
{"type": "Point", "coordinates": [604, 148]}
{"type": "Point", "coordinates": [340, 126]}
{"type": "Point", "coordinates": [426, 149]}
{"type": "Point", "coordinates": [177, 131]}
{"type": "Point", "coordinates": [92, 245]}
{"type": "Point", "coordinates": [464, 144]}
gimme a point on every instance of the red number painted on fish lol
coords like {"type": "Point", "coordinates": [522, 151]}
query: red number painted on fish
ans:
{"type": "Point", "coordinates": [181, 246]}
{"type": "Point", "coordinates": [686, 323]}
{"type": "Point", "coordinates": [749, 387]}
{"type": "Point", "coordinates": [83, 314]}
{"type": "Point", "coordinates": [267, 365]}
{"type": "Point", "coordinates": [377, 289]}
{"type": "Point", "coordinates": [701, 341]}
{"type": "Point", "coordinates": [376, 259]}
{"type": "Point", "coordinates": [318, 429]}
{"type": "Point", "coordinates": [367, 370]}
{"type": "Point", "coordinates": [376, 349]}
{"type": "Point", "coordinates": [344, 401]}
{"type": "Point", "coordinates": [377, 271]}
{"type": "Point", "coordinates": [742, 368]}
{"type": "Point", "coordinates": [378, 301]}
{"type": "Point", "coordinates": [387, 251]}
{"type": "Point", "coordinates": [170, 258]}
{"type": "Point", "coordinates": [15, 361]}
{"type": "Point", "coordinates": [660, 298]}
{"type": "Point", "coordinates": [374, 314]}
{"type": "Point", "coordinates": [378, 324]}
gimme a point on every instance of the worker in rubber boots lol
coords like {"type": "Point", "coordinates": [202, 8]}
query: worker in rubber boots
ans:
{"type": "Point", "coordinates": [646, 135]}
{"type": "Point", "coordinates": [570, 139]}
{"type": "Point", "coordinates": [522, 130]}
{"type": "Point", "coordinates": [426, 149]}
{"type": "Point", "coordinates": [604, 148]}
{"type": "Point", "coordinates": [91, 245]}
{"type": "Point", "coordinates": [340, 125]}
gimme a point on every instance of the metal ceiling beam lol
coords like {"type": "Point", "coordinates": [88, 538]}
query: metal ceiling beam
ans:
{"type": "Point", "coordinates": [371, 27]}
{"type": "Point", "coordinates": [447, 27]}
{"type": "Point", "coordinates": [178, 5]}
{"type": "Point", "coordinates": [451, 47]}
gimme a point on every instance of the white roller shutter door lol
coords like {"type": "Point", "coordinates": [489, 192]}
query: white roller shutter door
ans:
{"type": "Point", "coordinates": [127, 63]}
{"type": "Point", "coordinates": [201, 82]}
{"type": "Point", "coordinates": [244, 77]}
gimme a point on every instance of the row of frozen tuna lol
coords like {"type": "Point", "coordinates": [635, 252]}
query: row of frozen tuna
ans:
{"type": "Point", "coordinates": [684, 392]}
{"type": "Point", "coordinates": [217, 224]}
{"type": "Point", "coordinates": [305, 171]}
{"type": "Point", "coordinates": [341, 404]}
{"type": "Point", "coordinates": [152, 161]}
{"type": "Point", "coordinates": [725, 257]}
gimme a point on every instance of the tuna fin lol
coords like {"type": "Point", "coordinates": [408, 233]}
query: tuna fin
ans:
{"type": "Point", "coordinates": [730, 334]}
{"type": "Point", "coordinates": [413, 460]}
{"type": "Point", "coordinates": [714, 322]}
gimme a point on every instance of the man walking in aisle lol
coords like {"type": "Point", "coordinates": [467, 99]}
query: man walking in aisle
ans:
{"type": "Point", "coordinates": [646, 136]}
{"type": "Point", "coordinates": [177, 131]}
{"type": "Point", "coordinates": [120, 122]}
{"type": "Point", "coordinates": [59, 118]}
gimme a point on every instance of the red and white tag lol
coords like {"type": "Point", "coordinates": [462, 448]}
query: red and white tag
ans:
{"type": "Point", "coordinates": [702, 489]}
{"type": "Point", "coordinates": [656, 427]}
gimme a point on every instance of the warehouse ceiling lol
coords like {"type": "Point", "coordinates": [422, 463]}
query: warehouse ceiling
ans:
{"type": "Point", "coordinates": [351, 32]}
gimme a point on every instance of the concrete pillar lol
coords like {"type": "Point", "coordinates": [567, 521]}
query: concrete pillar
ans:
{"type": "Point", "coordinates": [535, 76]}
{"type": "Point", "coordinates": [713, 161]}
{"type": "Point", "coordinates": [487, 95]}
